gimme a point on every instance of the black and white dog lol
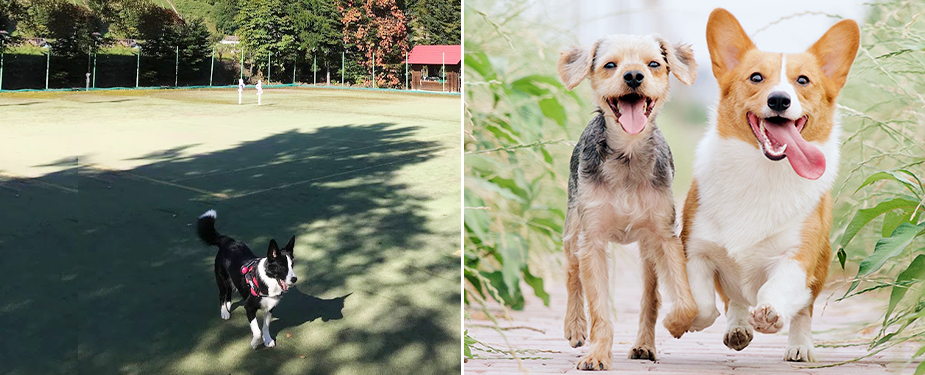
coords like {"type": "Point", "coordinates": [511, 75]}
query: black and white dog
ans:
{"type": "Point", "coordinates": [261, 281]}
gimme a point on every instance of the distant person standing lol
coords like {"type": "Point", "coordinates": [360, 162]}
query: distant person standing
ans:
{"type": "Point", "coordinates": [240, 89]}
{"type": "Point", "coordinates": [259, 90]}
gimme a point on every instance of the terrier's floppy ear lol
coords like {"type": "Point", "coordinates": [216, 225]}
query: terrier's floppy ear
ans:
{"type": "Point", "coordinates": [291, 244]}
{"type": "Point", "coordinates": [727, 41]}
{"type": "Point", "coordinates": [680, 59]}
{"type": "Point", "coordinates": [575, 64]}
{"type": "Point", "coordinates": [273, 250]}
{"type": "Point", "coordinates": [836, 50]}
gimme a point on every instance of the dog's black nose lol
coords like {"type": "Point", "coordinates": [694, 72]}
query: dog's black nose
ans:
{"type": "Point", "coordinates": [294, 279]}
{"type": "Point", "coordinates": [779, 101]}
{"type": "Point", "coordinates": [633, 78]}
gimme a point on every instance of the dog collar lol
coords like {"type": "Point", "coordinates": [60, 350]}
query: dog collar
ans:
{"type": "Point", "coordinates": [251, 277]}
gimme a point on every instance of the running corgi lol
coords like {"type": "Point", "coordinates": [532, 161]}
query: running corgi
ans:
{"type": "Point", "coordinates": [756, 227]}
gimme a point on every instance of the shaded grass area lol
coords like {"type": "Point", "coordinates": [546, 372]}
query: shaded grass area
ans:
{"type": "Point", "coordinates": [375, 215]}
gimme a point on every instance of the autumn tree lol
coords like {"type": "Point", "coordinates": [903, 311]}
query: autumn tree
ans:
{"type": "Point", "coordinates": [377, 28]}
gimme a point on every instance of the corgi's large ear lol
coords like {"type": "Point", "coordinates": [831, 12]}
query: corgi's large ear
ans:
{"type": "Point", "coordinates": [290, 245]}
{"type": "Point", "coordinates": [575, 64]}
{"type": "Point", "coordinates": [836, 50]}
{"type": "Point", "coordinates": [727, 41]}
{"type": "Point", "coordinates": [273, 250]}
{"type": "Point", "coordinates": [680, 59]}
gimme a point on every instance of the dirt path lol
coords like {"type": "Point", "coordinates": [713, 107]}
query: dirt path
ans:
{"type": "Point", "coordinates": [539, 334]}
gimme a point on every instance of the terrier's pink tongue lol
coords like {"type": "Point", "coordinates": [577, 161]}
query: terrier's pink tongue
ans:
{"type": "Point", "coordinates": [632, 116]}
{"type": "Point", "coordinates": [807, 160]}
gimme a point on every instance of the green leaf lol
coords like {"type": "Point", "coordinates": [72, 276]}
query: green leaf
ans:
{"type": "Point", "coordinates": [537, 284]}
{"type": "Point", "coordinates": [887, 248]}
{"type": "Point", "coordinates": [514, 259]}
{"type": "Point", "coordinates": [864, 216]}
{"type": "Point", "coordinates": [476, 220]}
{"type": "Point", "coordinates": [893, 176]}
{"type": "Point", "coordinates": [552, 109]}
{"type": "Point", "coordinates": [920, 369]}
{"type": "Point", "coordinates": [914, 272]}
{"type": "Point", "coordinates": [841, 257]}
{"type": "Point", "coordinates": [892, 219]}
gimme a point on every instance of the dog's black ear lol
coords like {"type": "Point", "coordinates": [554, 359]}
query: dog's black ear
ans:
{"type": "Point", "coordinates": [291, 245]}
{"type": "Point", "coordinates": [273, 250]}
{"type": "Point", "coordinates": [575, 64]}
{"type": "Point", "coordinates": [680, 60]}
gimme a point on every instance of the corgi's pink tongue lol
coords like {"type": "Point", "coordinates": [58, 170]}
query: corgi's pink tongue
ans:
{"type": "Point", "coordinates": [632, 116]}
{"type": "Point", "coordinates": [806, 159]}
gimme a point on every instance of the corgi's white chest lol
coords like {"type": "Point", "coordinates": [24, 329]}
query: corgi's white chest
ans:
{"type": "Point", "coordinates": [746, 199]}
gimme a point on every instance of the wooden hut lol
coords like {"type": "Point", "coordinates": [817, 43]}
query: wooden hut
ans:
{"type": "Point", "coordinates": [436, 68]}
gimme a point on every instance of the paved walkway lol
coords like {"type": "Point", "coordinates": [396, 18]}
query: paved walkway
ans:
{"type": "Point", "coordinates": [537, 333]}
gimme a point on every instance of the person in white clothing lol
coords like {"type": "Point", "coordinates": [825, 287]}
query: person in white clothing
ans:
{"type": "Point", "coordinates": [259, 90]}
{"type": "Point", "coordinates": [240, 90]}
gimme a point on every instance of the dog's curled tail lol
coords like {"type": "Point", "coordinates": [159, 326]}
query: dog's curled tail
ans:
{"type": "Point", "coordinates": [205, 228]}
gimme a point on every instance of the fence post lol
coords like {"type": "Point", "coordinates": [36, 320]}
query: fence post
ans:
{"type": "Point", "coordinates": [2, 52]}
{"type": "Point", "coordinates": [443, 71]}
{"type": "Point", "coordinates": [269, 67]}
{"type": "Point", "coordinates": [314, 70]}
{"type": "Point", "coordinates": [242, 62]}
{"type": "Point", "coordinates": [212, 66]}
{"type": "Point", "coordinates": [138, 68]}
{"type": "Point", "coordinates": [295, 64]}
{"type": "Point", "coordinates": [343, 66]}
{"type": "Point", "coordinates": [47, 66]}
{"type": "Point", "coordinates": [176, 71]}
{"type": "Point", "coordinates": [94, 68]}
{"type": "Point", "coordinates": [374, 69]}
{"type": "Point", "coordinates": [406, 71]}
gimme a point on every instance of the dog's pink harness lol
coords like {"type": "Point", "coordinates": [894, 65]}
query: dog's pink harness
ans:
{"type": "Point", "coordinates": [249, 271]}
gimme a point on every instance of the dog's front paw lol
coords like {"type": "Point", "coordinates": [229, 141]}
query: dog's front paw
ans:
{"type": "Point", "coordinates": [595, 362]}
{"type": "Point", "coordinates": [679, 321]}
{"type": "Point", "coordinates": [738, 338]}
{"type": "Point", "coordinates": [704, 319]}
{"type": "Point", "coordinates": [269, 343]}
{"type": "Point", "coordinates": [642, 352]}
{"type": "Point", "coordinates": [575, 332]}
{"type": "Point", "coordinates": [256, 341]}
{"type": "Point", "coordinates": [800, 353]}
{"type": "Point", "coordinates": [765, 319]}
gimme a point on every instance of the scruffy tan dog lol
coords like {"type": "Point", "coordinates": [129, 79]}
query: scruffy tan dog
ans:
{"type": "Point", "coordinates": [620, 190]}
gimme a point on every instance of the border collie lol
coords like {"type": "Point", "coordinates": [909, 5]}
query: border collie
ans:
{"type": "Point", "coordinates": [260, 281]}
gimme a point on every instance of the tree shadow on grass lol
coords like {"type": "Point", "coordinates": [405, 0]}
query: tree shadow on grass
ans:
{"type": "Point", "coordinates": [147, 296]}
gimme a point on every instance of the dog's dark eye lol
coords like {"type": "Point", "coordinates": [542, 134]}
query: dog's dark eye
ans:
{"type": "Point", "coordinates": [610, 65]}
{"type": "Point", "coordinates": [654, 64]}
{"type": "Point", "coordinates": [756, 77]}
{"type": "Point", "coordinates": [803, 80]}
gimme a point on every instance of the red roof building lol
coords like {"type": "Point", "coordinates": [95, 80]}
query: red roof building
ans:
{"type": "Point", "coordinates": [436, 68]}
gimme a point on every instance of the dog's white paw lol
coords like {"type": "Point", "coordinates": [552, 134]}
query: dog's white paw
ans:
{"type": "Point", "coordinates": [255, 342]}
{"type": "Point", "coordinates": [225, 314]}
{"type": "Point", "coordinates": [704, 319]}
{"type": "Point", "coordinates": [800, 353]}
{"type": "Point", "coordinates": [269, 343]}
{"type": "Point", "coordinates": [765, 319]}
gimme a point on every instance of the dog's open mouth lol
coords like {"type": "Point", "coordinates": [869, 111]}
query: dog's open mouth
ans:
{"type": "Point", "coordinates": [780, 137]}
{"type": "Point", "coordinates": [632, 111]}
{"type": "Point", "coordinates": [282, 284]}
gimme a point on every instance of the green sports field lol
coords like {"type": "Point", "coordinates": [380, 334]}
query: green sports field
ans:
{"type": "Point", "coordinates": [99, 192]}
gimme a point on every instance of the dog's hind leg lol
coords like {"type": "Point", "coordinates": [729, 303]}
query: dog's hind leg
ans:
{"type": "Point", "coordinates": [224, 292]}
{"type": "Point", "coordinates": [576, 324]}
{"type": "Point", "coordinates": [645, 337]}
{"type": "Point", "coordinates": [592, 263]}
{"type": "Point", "coordinates": [672, 267]}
